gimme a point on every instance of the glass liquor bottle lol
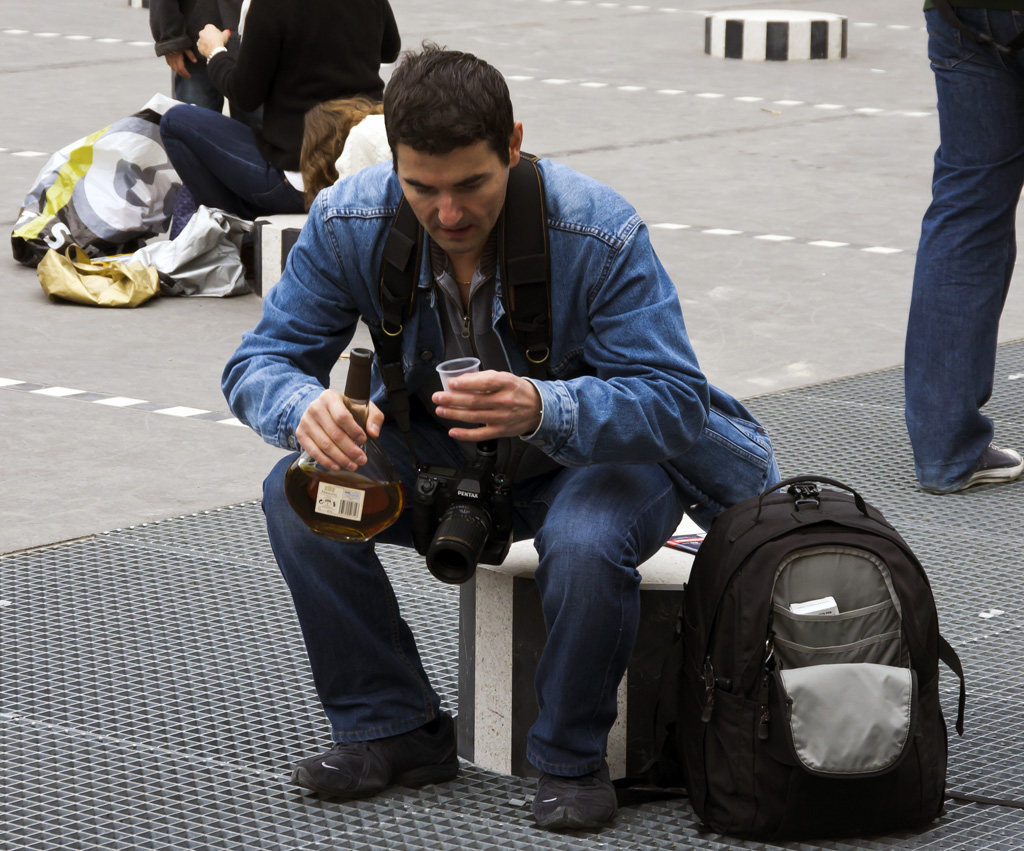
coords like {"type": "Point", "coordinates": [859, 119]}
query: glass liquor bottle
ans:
{"type": "Point", "coordinates": [344, 505]}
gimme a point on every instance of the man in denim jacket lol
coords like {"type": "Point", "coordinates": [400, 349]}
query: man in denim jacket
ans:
{"type": "Point", "coordinates": [624, 435]}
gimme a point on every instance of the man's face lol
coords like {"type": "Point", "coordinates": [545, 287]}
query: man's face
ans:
{"type": "Point", "coordinates": [457, 196]}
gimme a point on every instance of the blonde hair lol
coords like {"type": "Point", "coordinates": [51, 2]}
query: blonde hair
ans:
{"type": "Point", "coordinates": [327, 126]}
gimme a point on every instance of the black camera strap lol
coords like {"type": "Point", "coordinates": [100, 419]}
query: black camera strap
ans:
{"type": "Point", "coordinates": [951, 18]}
{"type": "Point", "coordinates": [525, 281]}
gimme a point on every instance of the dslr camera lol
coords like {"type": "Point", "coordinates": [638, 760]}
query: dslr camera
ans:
{"type": "Point", "coordinates": [462, 517]}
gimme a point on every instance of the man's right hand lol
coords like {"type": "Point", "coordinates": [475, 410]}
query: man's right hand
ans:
{"type": "Point", "coordinates": [330, 434]}
{"type": "Point", "coordinates": [176, 61]}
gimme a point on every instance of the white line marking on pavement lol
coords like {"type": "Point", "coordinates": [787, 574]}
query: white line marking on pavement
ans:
{"type": "Point", "coordinates": [120, 401]}
{"type": "Point", "coordinates": [58, 391]}
{"type": "Point", "coordinates": [596, 84]}
{"type": "Point", "coordinates": [181, 411]}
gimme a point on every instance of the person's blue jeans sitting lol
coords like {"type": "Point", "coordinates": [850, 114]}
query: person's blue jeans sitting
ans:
{"type": "Point", "coordinates": [219, 162]}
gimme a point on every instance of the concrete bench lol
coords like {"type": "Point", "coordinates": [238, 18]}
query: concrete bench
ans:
{"type": "Point", "coordinates": [502, 633]}
{"type": "Point", "coordinates": [275, 237]}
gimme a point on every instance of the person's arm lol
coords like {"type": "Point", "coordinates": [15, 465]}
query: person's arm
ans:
{"type": "Point", "coordinates": [245, 79]}
{"type": "Point", "coordinates": [283, 365]}
{"type": "Point", "coordinates": [391, 44]}
{"type": "Point", "coordinates": [167, 24]}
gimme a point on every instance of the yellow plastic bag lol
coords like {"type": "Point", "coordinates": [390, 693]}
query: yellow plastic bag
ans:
{"type": "Point", "coordinates": [104, 283]}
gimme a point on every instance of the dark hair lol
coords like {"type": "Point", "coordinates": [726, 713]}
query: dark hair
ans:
{"type": "Point", "coordinates": [438, 100]}
{"type": "Point", "coordinates": [326, 130]}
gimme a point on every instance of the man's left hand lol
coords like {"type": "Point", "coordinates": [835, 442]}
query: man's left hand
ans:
{"type": "Point", "coordinates": [503, 404]}
{"type": "Point", "coordinates": [211, 37]}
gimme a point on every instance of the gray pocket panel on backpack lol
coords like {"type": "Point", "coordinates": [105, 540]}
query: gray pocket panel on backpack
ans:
{"type": "Point", "coordinates": [871, 732]}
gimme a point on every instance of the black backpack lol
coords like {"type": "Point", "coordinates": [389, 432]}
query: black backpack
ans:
{"type": "Point", "coordinates": [825, 723]}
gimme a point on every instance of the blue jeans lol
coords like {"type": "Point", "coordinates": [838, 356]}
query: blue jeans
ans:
{"type": "Point", "coordinates": [200, 91]}
{"type": "Point", "coordinates": [967, 248]}
{"type": "Point", "coordinates": [592, 527]}
{"type": "Point", "coordinates": [218, 160]}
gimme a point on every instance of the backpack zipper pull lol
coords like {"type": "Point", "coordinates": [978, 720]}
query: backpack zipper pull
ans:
{"type": "Point", "coordinates": [762, 724]}
{"type": "Point", "coordinates": [709, 691]}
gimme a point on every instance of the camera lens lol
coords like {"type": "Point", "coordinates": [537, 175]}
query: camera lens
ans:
{"type": "Point", "coordinates": [458, 542]}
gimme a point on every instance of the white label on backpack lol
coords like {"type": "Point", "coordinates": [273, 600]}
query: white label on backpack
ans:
{"type": "Point", "coordinates": [823, 606]}
{"type": "Point", "coordinates": [338, 501]}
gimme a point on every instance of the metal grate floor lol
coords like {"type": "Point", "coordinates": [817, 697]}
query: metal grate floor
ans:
{"type": "Point", "coordinates": [154, 689]}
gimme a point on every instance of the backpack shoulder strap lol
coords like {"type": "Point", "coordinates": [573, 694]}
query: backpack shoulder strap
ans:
{"type": "Point", "coordinates": [525, 263]}
{"type": "Point", "coordinates": [400, 264]}
{"type": "Point", "coordinates": [948, 655]}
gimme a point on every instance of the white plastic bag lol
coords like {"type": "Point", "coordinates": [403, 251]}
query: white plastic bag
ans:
{"type": "Point", "coordinates": [204, 259]}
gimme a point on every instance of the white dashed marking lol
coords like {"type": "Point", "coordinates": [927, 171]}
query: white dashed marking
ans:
{"type": "Point", "coordinates": [58, 391]}
{"type": "Point", "coordinates": [120, 401]}
{"type": "Point", "coordinates": [181, 411]}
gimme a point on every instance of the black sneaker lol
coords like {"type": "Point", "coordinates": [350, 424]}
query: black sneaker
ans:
{"type": "Point", "coordinates": [996, 465]}
{"type": "Point", "coordinates": [360, 769]}
{"type": "Point", "coordinates": [574, 803]}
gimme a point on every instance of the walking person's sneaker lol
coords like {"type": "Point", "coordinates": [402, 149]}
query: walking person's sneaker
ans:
{"type": "Point", "coordinates": [574, 803]}
{"type": "Point", "coordinates": [995, 466]}
{"type": "Point", "coordinates": [359, 769]}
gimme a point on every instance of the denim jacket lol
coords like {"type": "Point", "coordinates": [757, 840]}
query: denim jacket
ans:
{"type": "Point", "coordinates": [623, 382]}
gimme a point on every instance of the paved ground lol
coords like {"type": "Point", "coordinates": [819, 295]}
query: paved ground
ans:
{"type": "Point", "coordinates": [155, 689]}
{"type": "Point", "coordinates": [622, 92]}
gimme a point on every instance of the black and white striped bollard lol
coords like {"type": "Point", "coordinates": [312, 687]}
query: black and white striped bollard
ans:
{"type": "Point", "coordinates": [775, 34]}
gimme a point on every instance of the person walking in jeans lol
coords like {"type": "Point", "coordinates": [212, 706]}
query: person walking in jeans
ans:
{"type": "Point", "coordinates": [621, 437]}
{"type": "Point", "coordinates": [968, 245]}
{"type": "Point", "coordinates": [291, 57]}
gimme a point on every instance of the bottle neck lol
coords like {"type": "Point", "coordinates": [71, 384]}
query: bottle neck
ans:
{"type": "Point", "coordinates": [360, 409]}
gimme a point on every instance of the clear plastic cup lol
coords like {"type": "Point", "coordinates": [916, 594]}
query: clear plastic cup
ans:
{"type": "Point", "coordinates": [459, 366]}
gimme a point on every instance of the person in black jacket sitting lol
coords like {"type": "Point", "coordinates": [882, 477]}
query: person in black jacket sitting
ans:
{"type": "Point", "coordinates": [291, 56]}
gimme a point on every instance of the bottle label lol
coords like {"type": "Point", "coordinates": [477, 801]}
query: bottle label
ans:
{"type": "Point", "coordinates": [338, 501]}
